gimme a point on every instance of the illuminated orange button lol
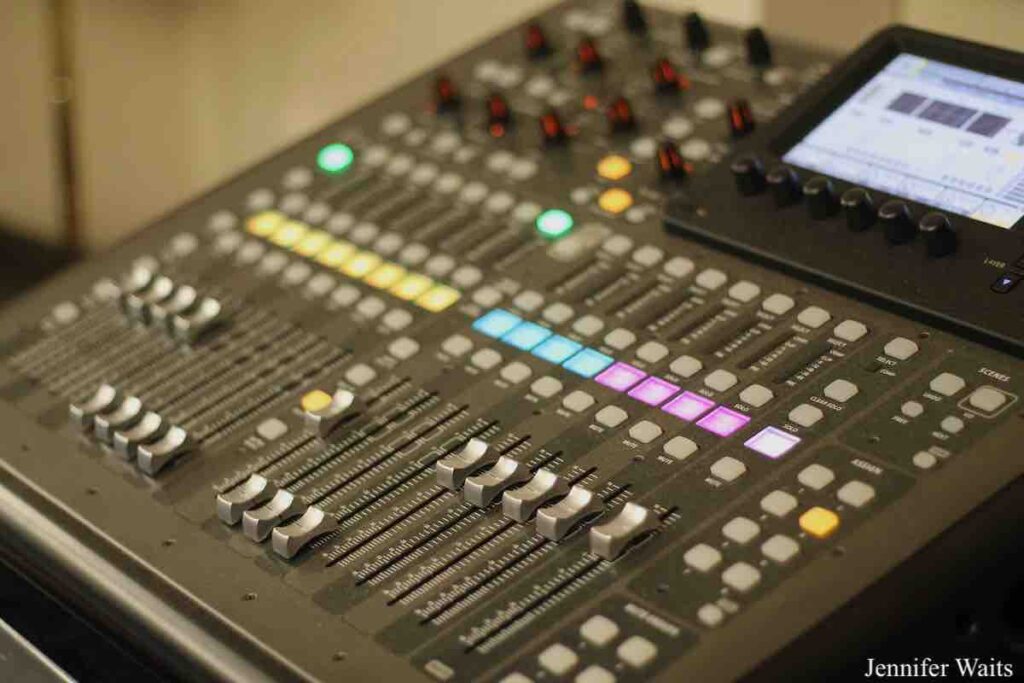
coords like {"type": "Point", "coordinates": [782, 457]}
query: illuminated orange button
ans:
{"type": "Point", "coordinates": [289, 234]}
{"type": "Point", "coordinates": [313, 243]}
{"type": "Point", "coordinates": [264, 223]}
{"type": "Point", "coordinates": [335, 254]}
{"type": "Point", "coordinates": [819, 522]}
{"type": "Point", "coordinates": [412, 286]}
{"type": "Point", "coordinates": [361, 264]}
{"type": "Point", "coordinates": [614, 167]}
{"type": "Point", "coordinates": [438, 298]}
{"type": "Point", "coordinates": [615, 200]}
{"type": "Point", "coordinates": [385, 276]}
{"type": "Point", "coordinates": [315, 401]}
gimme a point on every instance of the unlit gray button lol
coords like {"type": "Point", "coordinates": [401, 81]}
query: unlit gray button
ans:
{"type": "Point", "coordinates": [557, 313]}
{"type": "Point", "coordinates": [529, 300]}
{"type": "Point", "coordinates": [516, 372]}
{"type": "Point", "coordinates": [756, 395]}
{"type": "Point", "coordinates": [637, 651]}
{"type": "Point", "coordinates": [711, 278]}
{"type": "Point", "coordinates": [611, 416]}
{"type": "Point", "coordinates": [841, 390]}
{"type": "Point", "coordinates": [466, 276]}
{"type": "Point", "coordinates": [728, 468]}
{"type": "Point", "coordinates": [780, 549]}
{"type": "Point", "coordinates": [678, 266]}
{"type": "Point", "coordinates": [912, 409]}
{"type": "Point", "coordinates": [558, 659]}
{"type": "Point", "coordinates": [744, 291]}
{"type": "Point", "coordinates": [702, 557]}
{"type": "Point", "coordinates": [741, 577]}
{"type": "Point", "coordinates": [588, 325]}
{"type": "Point", "coordinates": [987, 399]}
{"type": "Point", "coordinates": [487, 296]}
{"type": "Point", "coordinates": [404, 348]}
{"type": "Point", "coordinates": [271, 429]}
{"type": "Point", "coordinates": [651, 352]}
{"type": "Point", "coordinates": [457, 345]}
{"type": "Point", "coordinates": [360, 374]}
{"type": "Point", "coordinates": [813, 317]}
{"type": "Point", "coordinates": [485, 359]}
{"type": "Point", "coordinates": [546, 386]}
{"type": "Point", "coordinates": [578, 401]}
{"type": "Point", "coordinates": [805, 415]}
{"type": "Point", "coordinates": [720, 380]}
{"type": "Point", "coordinates": [856, 493]}
{"type": "Point", "coordinates": [947, 384]}
{"type": "Point", "coordinates": [648, 255]}
{"type": "Point", "coordinates": [924, 460]}
{"type": "Point", "coordinates": [952, 425]}
{"type": "Point", "coordinates": [741, 530]}
{"type": "Point", "coordinates": [778, 503]}
{"type": "Point", "coordinates": [644, 431]}
{"type": "Point", "coordinates": [778, 304]}
{"type": "Point", "coordinates": [686, 366]}
{"type": "Point", "coordinates": [850, 330]}
{"type": "Point", "coordinates": [816, 476]}
{"type": "Point", "coordinates": [679, 447]}
{"type": "Point", "coordinates": [617, 245]}
{"type": "Point", "coordinates": [371, 307]}
{"type": "Point", "coordinates": [619, 338]}
{"type": "Point", "coordinates": [397, 319]}
{"type": "Point", "coordinates": [595, 673]}
{"type": "Point", "coordinates": [345, 295]}
{"type": "Point", "coordinates": [599, 630]}
{"type": "Point", "coordinates": [900, 348]}
{"type": "Point", "coordinates": [710, 615]}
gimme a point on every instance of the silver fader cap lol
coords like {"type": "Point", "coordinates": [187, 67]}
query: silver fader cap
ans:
{"type": "Point", "coordinates": [289, 539]}
{"type": "Point", "coordinates": [150, 428]}
{"type": "Point", "coordinates": [322, 420]}
{"type": "Point", "coordinates": [608, 540]}
{"type": "Point", "coordinates": [259, 522]}
{"type": "Point", "coordinates": [254, 491]}
{"type": "Point", "coordinates": [139, 304]}
{"type": "Point", "coordinates": [520, 504]}
{"type": "Point", "coordinates": [120, 418]}
{"type": "Point", "coordinates": [153, 457]}
{"type": "Point", "coordinates": [162, 313]}
{"type": "Point", "coordinates": [138, 280]}
{"type": "Point", "coordinates": [454, 469]}
{"type": "Point", "coordinates": [103, 400]}
{"type": "Point", "coordinates": [481, 489]}
{"type": "Point", "coordinates": [188, 327]}
{"type": "Point", "coordinates": [556, 521]}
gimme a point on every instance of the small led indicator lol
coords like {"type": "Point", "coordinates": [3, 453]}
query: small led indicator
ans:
{"type": "Point", "coordinates": [335, 158]}
{"type": "Point", "coordinates": [554, 223]}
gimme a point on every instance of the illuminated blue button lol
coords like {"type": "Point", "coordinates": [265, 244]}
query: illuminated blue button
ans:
{"type": "Point", "coordinates": [526, 335]}
{"type": "Point", "coordinates": [496, 323]}
{"type": "Point", "coordinates": [588, 362]}
{"type": "Point", "coordinates": [557, 349]}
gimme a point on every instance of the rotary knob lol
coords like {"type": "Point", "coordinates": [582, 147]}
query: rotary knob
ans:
{"type": "Point", "coordinates": [536, 42]}
{"type": "Point", "coordinates": [551, 129]}
{"type": "Point", "coordinates": [499, 116]}
{"type": "Point", "coordinates": [446, 95]}
{"type": "Point", "coordinates": [666, 79]}
{"type": "Point", "coordinates": [695, 33]}
{"type": "Point", "coordinates": [858, 208]}
{"type": "Point", "coordinates": [633, 17]}
{"type": "Point", "coordinates": [620, 115]}
{"type": "Point", "coordinates": [759, 51]}
{"type": "Point", "coordinates": [749, 175]}
{"type": "Point", "coordinates": [740, 118]}
{"type": "Point", "coordinates": [821, 198]}
{"type": "Point", "coordinates": [939, 237]}
{"type": "Point", "coordinates": [896, 222]}
{"type": "Point", "coordinates": [671, 165]}
{"type": "Point", "coordinates": [587, 56]}
{"type": "Point", "coordinates": [785, 185]}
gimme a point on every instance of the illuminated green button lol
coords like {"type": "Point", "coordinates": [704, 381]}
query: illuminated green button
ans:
{"type": "Point", "coordinates": [554, 223]}
{"type": "Point", "coordinates": [335, 158]}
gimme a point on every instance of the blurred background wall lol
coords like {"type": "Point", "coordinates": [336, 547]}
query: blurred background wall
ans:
{"type": "Point", "coordinates": [170, 96]}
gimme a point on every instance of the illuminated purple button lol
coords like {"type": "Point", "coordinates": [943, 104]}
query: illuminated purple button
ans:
{"type": "Point", "coordinates": [620, 376]}
{"type": "Point", "coordinates": [772, 442]}
{"type": "Point", "coordinates": [654, 391]}
{"type": "Point", "coordinates": [723, 421]}
{"type": "Point", "coordinates": [688, 406]}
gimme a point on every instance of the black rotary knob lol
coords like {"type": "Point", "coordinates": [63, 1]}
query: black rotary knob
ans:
{"type": "Point", "coordinates": [446, 95]}
{"type": "Point", "coordinates": [551, 129]}
{"type": "Point", "coordinates": [740, 118]}
{"type": "Point", "coordinates": [665, 77]}
{"type": "Point", "coordinates": [896, 222]}
{"type": "Point", "coordinates": [821, 198]}
{"type": "Point", "coordinates": [536, 42]}
{"type": "Point", "coordinates": [588, 58]}
{"type": "Point", "coordinates": [858, 208]}
{"type": "Point", "coordinates": [784, 184]}
{"type": "Point", "coordinates": [939, 237]}
{"type": "Point", "coordinates": [749, 175]}
{"type": "Point", "coordinates": [671, 165]}
{"type": "Point", "coordinates": [759, 51]}
{"type": "Point", "coordinates": [695, 33]}
{"type": "Point", "coordinates": [620, 115]}
{"type": "Point", "coordinates": [633, 17]}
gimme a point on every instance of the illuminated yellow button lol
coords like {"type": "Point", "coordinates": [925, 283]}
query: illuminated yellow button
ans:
{"type": "Point", "coordinates": [313, 243]}
{"type": "Point", "coordinates": [289, 234]}
{"type": "Point", "coordinates": [438, 298]}
{"type": "Point", "coordinates": [335, 254]}
{"type": "Point", "coordinates": [316, 400]}
{"type": "Point", "coordinates": [412, 286]}
{"type": "Point", "coordinates": [385, 276]}
{"type": "Point", "coordinates": [361, 264]}
{"type": "Point", "coordinates": [264, 223]}
{"type": "Point", "coordinates": [615, 200]}
{"type": "Point", "coordinates": [819, 522]}
{"type": "Point", "coordinates": [614, 167]}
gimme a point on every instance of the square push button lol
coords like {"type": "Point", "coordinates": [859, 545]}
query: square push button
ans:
{"type": "Point", "coordinates": [1005, 282]}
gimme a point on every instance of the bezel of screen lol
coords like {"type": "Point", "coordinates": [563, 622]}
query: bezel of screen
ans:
{"type": "Point", "coordinates": [845, 83]}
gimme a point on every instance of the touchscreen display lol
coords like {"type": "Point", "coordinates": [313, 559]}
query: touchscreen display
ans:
{"type": "Point", "coordinates": [932, 132]}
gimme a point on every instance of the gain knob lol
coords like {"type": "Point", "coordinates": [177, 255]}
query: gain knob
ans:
{"type": "Point", "coordinates": [784, 184]}
{"type": "Point", "coordinates": [633, 17]}
{"type": "Point", "coordinates": [740, 118]}
{"type": "Point", "coordinates": [858, 208]}
{"type": "Point", "coordinates": [587, 57]}
{"type": "Point", "coordinates": [537, 45]}
{"type": "Point", "coordinates": [749, 175]}
{"type": "Point", "coordinates": [446, 96]}
{"type": "Point", "coordinates": [939, 237]}
{"type": "Point", "coordinates": [896, 222]}
{"type": "Point", "coordinates": [821, 198]}
{"type": "Point", "coordinates": [666, 79]}
{"type": "Point", "coordinates": [551, 129]}
{"type": "Point", "coordinates": [695, 33]}
{"type": "Point", "coordinates": [671, 165]}
{"type": "Point", "coordinates": [759, 51]}
{"type": "Point", "coordinates": [499, 116]}
{"type": "Point", "coordinates": [620, 115]}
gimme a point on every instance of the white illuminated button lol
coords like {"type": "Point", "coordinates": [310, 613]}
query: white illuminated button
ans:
{"type": "Point", "coordinates": [485, 359]}
{"type": "Point", "coordinates": [778, 503]}
{"type": "Point", "coordinates": [599, 630]}
{"type": "Point", "coordinates": [720, 380]}
{"type": "Point", "coordinates": [557, 313]}
{"type": "Point", "coordinates": [529, 300]}
{"type": "Point", "coordinates": [711, 278]}
{"type": "Point", "coordinates": [359, 375]}
{"type": "Point", "coordinates": [841, 390]}
{"type": "Point", "coordinates": [679, 447]}
{"type": "Point", "coordinates": [457, 345]}
{"type": "Point", "coordinates": [741, 577]}
{"type": "Point", "coordinates": [702, 558]}
{"type": "Point", "coordinates": [404, 348]}
{"type": "Point", "coordinates": [558, 659]}
{"type": "Point", "coordinates": [987, 399]}
{"type": "Point", "coordinates": [900, 348]}
{"type": "Point", "coordinates": [637, 651]}
{"type": "Point", "coordinates": [611, 416]}
{"type": "Point", "coordinates": [741, 530]}
{"type": "Point", "coordinates": [813, 317]}
{"type": "Point", "coordinates": [850, 330]}
{"type": "Point", "coordinates": [816, 476]}
{"type": "Point", "coordinates": [644, 431]}
{"type": "Point", "coordinates": [952, 425]}
{"type": "Point", "coordinates": [744, 291]}
{"type": "Point", "coordinates": [516, 372]}
{"type": "Point", "coordinates": [578, 401]}
{"type": "Point", "coordinates": [619, 338]}
{"type": "Point", "coordinates": [588, 325]}
{"type": "Point", "coordinates": [686, 366]}
{"type": "Point", "coordinates": [728, 468]}
{"type": "Point", "coordinates": [648, 255]}
{"type": "Point", "coordinates": [546, 386]}
{"type": "Point", "coordinates": [912, 409]}
{"type": "Point", "coordinates": [678, 266]}
{"type": "Point", "coordinates": [947, 384]}
{"type": "Point", "coordinates": [651, 352]}
{"type": "Point", "coordinates": [805, 415]}
{"type": "Point", "coordinates": [778, 304]}
{"type": "Point", "coordinates": [756, 395]}
{"type": "Point", "coordinates": [780, 549]}
{"type": "Point", "coordinates": [856, 494]}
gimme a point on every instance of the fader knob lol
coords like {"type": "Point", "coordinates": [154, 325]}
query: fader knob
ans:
{"type": "Point", "coordinates": [740, 118]}
{"type": "Point", "coordinates": [895, 218]}
{"type": "Point", "coordinates": [858, 208]}
{"type": "Point", "coordinates": [759, 51]}
{"type": "Point", "coordinates": [665, 77]}
{"type": "Point", "coordinates": [821, 198]}
{"type": "Point", "coordinates": [695, 33]}
{"type": "Point", "coordinates": [536, 42]}
{"type": "Point", "coordinates": [784, 184]}
{"type": "Point", "coordinates": [939, 237]}
{"type": "Point", "coordinates": [551, 129]}
{"type": "Point", "coordinates": [499, 116]}
{"type": "Point", "coordinates": [587, 56]}
{"type": "Point", "coordinates": [671, 165]}
{"type": "Point", "coordinates": [749, 175]}
{"type": "Point", "coordinates": [633, 17]}
{"type": "Point", "coordinates": [446, 96]}
{"type": "Point", "coordinates": [620, 115]}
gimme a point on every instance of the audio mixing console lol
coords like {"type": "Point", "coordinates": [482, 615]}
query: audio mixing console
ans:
{"type": "Point", "coordinates": [435, 395]}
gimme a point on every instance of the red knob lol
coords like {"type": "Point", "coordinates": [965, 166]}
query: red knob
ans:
{"type": "Point", "coordinates": [537, 45]}
{"type": "Point", "coordinates": [741, 118]}
{"type": "Point", "coordinates": [620, 115]}
{"type": "Point", "coordinates": [446, 95]}
{"type": "Point", "coordinates": [551, 128]}
{"type": "Point", "coordinates": [587, 56]}
{"type": "Point", "coordinates": [666, 78]}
